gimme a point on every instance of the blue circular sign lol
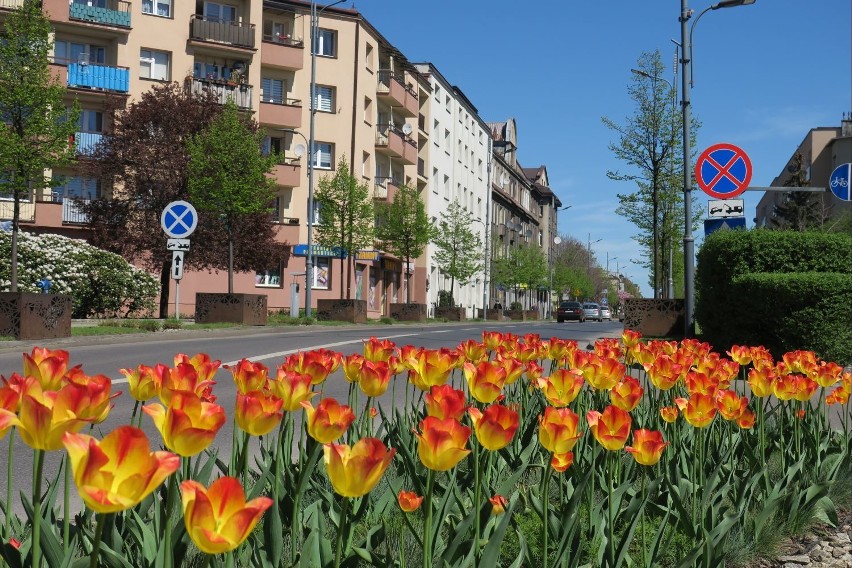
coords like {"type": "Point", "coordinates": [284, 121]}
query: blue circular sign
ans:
{"type": "Point", "coordinates": [840, 180]}
{"type": "Point", "coordinates": [179, 219]}
{"type": "Point", "coordinates": [723, 171]}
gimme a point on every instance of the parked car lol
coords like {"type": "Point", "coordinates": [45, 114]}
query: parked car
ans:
{"type": "Point", "coordinates": [570, 311]}
{"type": "Point", "coordinates": [605, 313]}
{"type": "Point", "coordinates": [592, 311]}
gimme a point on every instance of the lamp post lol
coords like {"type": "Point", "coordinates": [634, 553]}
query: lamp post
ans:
{"type": "Point", "coordinates": [590, 243]}
{"type": "Point", "coordinates": [686, 79]}
{"type": "Point", "coordinates": [309, 264]}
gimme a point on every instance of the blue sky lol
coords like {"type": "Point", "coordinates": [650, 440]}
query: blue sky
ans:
{"type": "Point", "coordinates": [764, 75]}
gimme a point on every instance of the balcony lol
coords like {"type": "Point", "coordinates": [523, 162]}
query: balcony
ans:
{"type": "Point", "coordinates": [11, 4]}
{"type": "Point", "coordinates": [72, 213]}
{"type": "Point", "coordinates": [213, 30]}
{"type": "Point", "coordinates": [27, 210]}
{"type": "Point", "coordinates": [287, 173]}
{"type": "Point", "coordinates": [391, 141]}
{"type": "Point", "coordinates": [85, 142]}
{"type": "Point", "coordinates": [107, 12]}
{"type": "Point", "coordinates": [282, 52]}
{"type": "Point", "coordinates": [281, 112]}
{"type": "Point", "coordinates": [240, 94]}
{"type": "Point", "coordinates": [385, 188]}
{"type": "Point", "coordinates": [98, 77]}
{"type": "Point", "coordinates": [391, 87]}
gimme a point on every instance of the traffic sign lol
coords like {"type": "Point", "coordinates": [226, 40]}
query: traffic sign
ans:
{"type": "Point", "coordinates": [840, 181]}
{"type": "Point", "coordinates": [177, 244]}
{"type": "Point", "coordinates": [723, 171]}
{"type": "Point", "coordinates": [179, 219]}
{"type": "Point", "coordinates": [713, 225]}
{"type": "Point", "coordinates": [177, 264]}
{"type": "Point", "coordinates": [725, 208]}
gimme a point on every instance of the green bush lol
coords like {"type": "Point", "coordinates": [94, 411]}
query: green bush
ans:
{"type": "Point", "coordinates": [516, 306]}
{"type": "Point", "coordinates": [781, 289]}
{"type": "Point", "coordinates": [100, 283]}
{"type": "Point", "coordinates": [445, 299]}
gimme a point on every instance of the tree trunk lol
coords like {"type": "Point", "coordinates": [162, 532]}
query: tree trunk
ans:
{"type": "Point", "coordinates": [165, 274]}
{"type": "Point", "coordinates": [230, 262]}
{"type": "Point", "coordinates": [342, 270]}
{"type": "Point", "coordinates": [407, 281]}
{"type": "Point", "coordinates": [348, 278]}
{"type": "Point", "coordinates": [16, 218]}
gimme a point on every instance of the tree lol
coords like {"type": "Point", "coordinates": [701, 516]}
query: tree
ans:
{"type": "Point", "coordinates": [524, 267]}
{"type": "Point", "coordinates": [457, 246]}
{"type": "Point", "coordinates": [571, 262]}
{"type": "Point", "coordinates": [35, 125]}
{"type": "Point", "coordinates": [228, 173]}
{"type": "Point", "coordinates": [143, 163]}
{"type": "Point", "coordinates": [403, 227]}
{"type": "Point", "coordinates": [345, 217]}
{"type": "Point", "coordinates": [649, 143]}
{"type": "Point", "coordinates": [800, 210]}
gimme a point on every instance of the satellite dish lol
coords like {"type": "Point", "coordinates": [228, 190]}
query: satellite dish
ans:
{"type": "Point", "coordinates": [557, 240]}
{"type": "Point", "coordinates": [299, 150]}
{"type": "Point", "coordinates": [406, 129]}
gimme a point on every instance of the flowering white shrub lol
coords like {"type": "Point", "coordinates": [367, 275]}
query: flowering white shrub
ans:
{"type": "Point", "coordinates": [100, 283]}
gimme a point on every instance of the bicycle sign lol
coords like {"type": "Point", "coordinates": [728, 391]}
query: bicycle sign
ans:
{"type": "Point", "coordinates": [723, 171]}
{"type": "Point", "coordinates": [840, 181]}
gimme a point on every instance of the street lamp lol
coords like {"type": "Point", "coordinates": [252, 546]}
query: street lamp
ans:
{"type": "Point", "coordinates": [686, 78]}
{"type": "Point", "coordinates": [309, 265]}
{"type": "Point", "coordinates": [590, 243]}
{"type": "Point", "coordinates": [556, 241]}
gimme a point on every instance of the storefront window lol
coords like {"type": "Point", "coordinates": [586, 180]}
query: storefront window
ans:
{"type": "Point", "coordinates": [322, 273]}
{"type": "Point", "coordinates": [270, 277]}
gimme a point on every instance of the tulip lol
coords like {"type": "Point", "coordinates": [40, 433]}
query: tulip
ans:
{"type": "Point", "coordinates": [292, 388]}
{"type": "Point", "coordinates": [319, 364]}
{"type": "Point", "coordinates": [626, 394]}
{"type": "Point", "coordinates": [647, 446]}
{"type": "Point", "coordinates": [473, 351]}
{"type": "Point", "coordinates": [664, 372]}
{"type": "Point", "coordinates": [328, 421]}
{"type": "Point", "coordinates": [603, 373]}
{"type": "Point", "coordinates": [561, 462]}
{"type": "Point", "coordinates": [701, 383]}
{"type": "Point", "coordinates": [352, 367]}
{"type": "Point", "coordinates": [11, 391]}
{"type": "Point", "coordinates": [98, 392]}
{"type": "Point", "coordinates": [558, 349]}
{"type": "Point", "coordinates": [514, 367]}
{"type": "Point", "coordinates": [443, 401]}
{"type": "Point", "coordinates": [119, 471]}
{"type": "Point", "coordinates": [201, 362]}
{"type": "Point", "coordinates": [495, 427]}
{"type": "Point", "coordinates": [378, 350]}
{"type": "Point", "coordinates": [45, 416]}
{"type": "Point", "coordinates": [249, 376]}
{"type": "Point", "coordinates": [785, 387]}
{"type": "Point", "coordinates": [47, 367]}
{"type": "Point", "coordinates": [355, 471]}
{"type": "Point", "coordinates": [485, 381]}
{"type": "Point", "coordinates": [442, 443]}
{"type": "Point", "coordinates": [699, 410]}
{"type": "Point", "coordinates": [837, 396]}
{"type": "Point", "coordinates": [828, 374]}
{"type": "Point", "coordinates": [144, 381]}
{"type": "Point", "coordinates": [257, 413]}
{"type": "Point", "coordinates": [183, 378]}
{"type": "Point", "coordinates": [498, 505]}
{"type": "Point", "coordinates": [608, 348]}
{"type": "Point", "coordinates": [558, 429]}
{"type": "Point", "coordinates": [492, 339]}
{"type": "Point", "coordinates": [219, 519]}
{"type": "Point", "coordinates": [374, 377]}
{"type": "Point", "coordinates": [760, 379]}
{"type": "Point", "coordinates": [431, 367]}
{"type": "Point", "coordinates": [188, 425]}
{"type": "Point", "coordinates": [805, 388]}
{"type": "Point", "coordinates": [730, 405]}
{"type": "Point", "coordinates": [669, 413]}
{"type": "Point", "coordinates": [533, 371]}
{"type": "Point", "coordinates": [409, 501]}
{"type": "Point", "coordinates": [562, 386]}
{"type": "Point", "coordinates": [9, 419]}
{"type": "Point", "coordinates": [746, 419]}
{"type": "Point", "coordinates": [610, 428]}
{"type": "Point", "coordinates": [741, 354]}
{"type": "Point", "coordinates": [800, 361]}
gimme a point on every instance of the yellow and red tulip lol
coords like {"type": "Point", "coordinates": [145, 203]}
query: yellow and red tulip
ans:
{"type": "Point", "coordinates": [701, 383]}
{"type": "Point", "coordinates": [741, 354]}
{"type": "Point", "coordinates": [409, 501]}
{"type": "Point", "coordinates": [561, 462]}
{"type": "Point", "coordinates": [558, 429]}
{"type": "Point", "coordinates": [47, 366]}
{"type": "Point", "coordinates": [119, 471]}
{"type": "Point", "coordinates": [44, 416]}
{"type": "Point", "coordinates": [378, 349]}
{"type": "Point", "coordinates": [442, 443]}
{"type": "Point", "coordinates": [443, 401]}
{"type": "Point", "coordinates": [472, 350]}
{"type": "Point", "coordinates": [352, 367]}
{"type": "Point", "coordinates": [183, 378]}
{"type": "Point", "coordinates": [485, 381]}
{"type": "Point", "coordinates": [144, 381]}
{"type": "Point", "coordinates": [99, 393]}
{"type": "Point", "coordinates": [610, 428]}
{"type": "Point", "coordinates": [603, 373]}
{"type": "Point", "coordinates": [746, 419]}
{"type": "Point", "coordinates": [664, 372]}
{"type": "Point", "coordinates": [250, 376]}
{"type": "Point", "coordinates": [648, 446]}
{"type": "Point", "coordinates": [495, 427]}
{"type": "Point", "coordinates": [258, 413]}
{"type": "Point", "coordinates": [431, 367]}
{"type": "Point", "coordinates": [730, 404]}
{"type": "Point", "coordinates": [699, 410]}
{"type": "Point", "coordinates": [562, 386]}
{"type": "Point", "coordinates": [761, 379]}
{"type": "Point", "coordinates": [188, 425]}
{"type": "Point", "coordinates": [626, 394]}
{"type": "Point", "coordinates": [669, 413]}
{"type": "Point", "coordinates": [204, 366]}
{"type": "Point", "coordinates": [328, 421]}
{"type": "Point", "coordinates": [355, 471]}
{"type": "Point", "coordinates": [292, 388]}
{"type": "Point", "coordinates": [498, 505]}
{"type": "Point", "coordinates": [218, 519]}
{"type": "Point", "coordinates": [827, 374]}
{"type": "Point", "coordinates": [374, 377]}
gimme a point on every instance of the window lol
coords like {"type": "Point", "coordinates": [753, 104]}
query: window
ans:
{"type": "Point", "coordinates": [324, 98]}
{"type": "Point", "coordinates": [71, 52]}
{"type": "Point", "coordinates": [323, 155]}
{"type": "Point", "coordinates": [76, 187]}
{"type": "Point", "coordinates": [435, 181]}
{"type": "Point", "coordinates": [365, 164]}
{"type": "Point", "coordinates": [275, 31]}
{"type": "Point", "coordinates": [90, 121]}
{"type": "Point", "coordinates": [215, 12]}
{"type": "Point", "coordinates": [326, 43]}
{"type": "Point", "coordinates": [272, 91]}
{"type": "Point", "coordinates": [322, 273]}
{"type": "Point", "coordinates": [157, 7]}
{"type": "Point", "coordinates": [154, 64]}
{"type": "Point", "coordinates": [271, 277]}
{"type": "Point", "coordinates": [368, 110]}
{"type": "Point", "coordinates": [369, 57]}
{"type": "Point", "coordinates": [211, 69]}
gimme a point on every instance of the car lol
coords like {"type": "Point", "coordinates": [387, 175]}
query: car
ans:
{"type": "Point", "coordinates": [592, 311]}
{"type": "Point", "coordinates": [605, 313]}
{"type": "Point", "coordinates": [570, 311]}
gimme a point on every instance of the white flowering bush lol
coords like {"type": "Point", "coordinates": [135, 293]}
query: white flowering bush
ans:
{"type": "Point", "coordinates": [100, 283]}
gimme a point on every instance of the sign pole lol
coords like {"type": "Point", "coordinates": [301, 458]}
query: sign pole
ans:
{"type": "Point", "coordinates": [177, 300]}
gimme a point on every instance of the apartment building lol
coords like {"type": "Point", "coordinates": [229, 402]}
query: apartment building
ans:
{"type": "Point", "coordinates": [458, 156]}
{"type": "Point", "coordinates": [257, 54]}
{"type": "Point", "coordinates": [821, 151]}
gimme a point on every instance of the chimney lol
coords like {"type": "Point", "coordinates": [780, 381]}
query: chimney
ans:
{"type": "Point", "coordinates": [846, 125]}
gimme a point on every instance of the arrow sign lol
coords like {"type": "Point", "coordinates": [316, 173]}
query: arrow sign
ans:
{"type": "Point", "coordinates": [177, 264]}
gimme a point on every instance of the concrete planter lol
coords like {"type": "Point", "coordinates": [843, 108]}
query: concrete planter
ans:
{"type": "Point", "coordinates": [516, 315]}
{"type": "Point", "coordinates": [654, 318]}
{"type": "Point", "coordinates": [451, 314]}
{"type": "Point", "coordinates": [246, 309]}
{"type": "Point", "coordinates": [491, 315]}
{"type": "Point", "coordinates": [530, 315]}
{"type": "Point", "coordinates": [408, 312]}
{"type": "Point", "coordinates": [25, 315]}
{"type": "Point", "coordinates": [353, 311]}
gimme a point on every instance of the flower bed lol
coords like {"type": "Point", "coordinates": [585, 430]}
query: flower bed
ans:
{"type": "Point", "coordinates": [510, 451]}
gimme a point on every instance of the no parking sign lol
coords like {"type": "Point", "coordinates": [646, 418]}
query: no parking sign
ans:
{"type": "Point", "coordinates": [723, 171]}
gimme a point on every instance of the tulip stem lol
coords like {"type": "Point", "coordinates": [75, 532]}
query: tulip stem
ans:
{"type": "Point", "coordinates": [99, 534]}
{"type": "Point", "coordinates": [477, 497]}
{"type": "Point", "coordinates": [66, 505]}
{"type": "Point", "coordinates": [7, 535]}
{"type": "Point", "coordinates": [167, 537]}
{"type": "Point", "coordinates": [545, 508]}
{"type": "Point", "coordinates": [610, 526]}
{"type": "Point", "coordinates": [427, 534]}
{"type": "Point", "coordinates": [39, 468]}
{"type": "Point", "coordinates": [642, 523]}
{"type": "Point", "coordinates": [341, 530]}
{"type": "Point", "coordinates": [244, 458]}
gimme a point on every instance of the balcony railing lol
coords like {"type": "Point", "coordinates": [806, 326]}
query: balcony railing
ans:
{"type": "Point", "coordinates": [222, 31]}
{"type": "Point", "coordinates": [240, 94]}
{"type": "Point", "coordinates": [72, 212]}
{"type": "Point", "coordinates": [99, 77]}
{"type": "Point", "coordinates": [384, 130]}
{"type": "Point", "coordinates": [280, 39]}
{"type": "Point", "coordinates": [85, 142]}
{"type": "Point", "coordinates": [109, 12]}
{"type": "Point", "coordinates": [282, 100]}
{"type": "Point", "coordinates": [385, 76]}
{"type": "Point", "coordinates": [11, 4]}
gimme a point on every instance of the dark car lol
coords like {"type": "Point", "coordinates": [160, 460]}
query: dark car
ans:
{"type": "Point", "coordinates": [570, 311]}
